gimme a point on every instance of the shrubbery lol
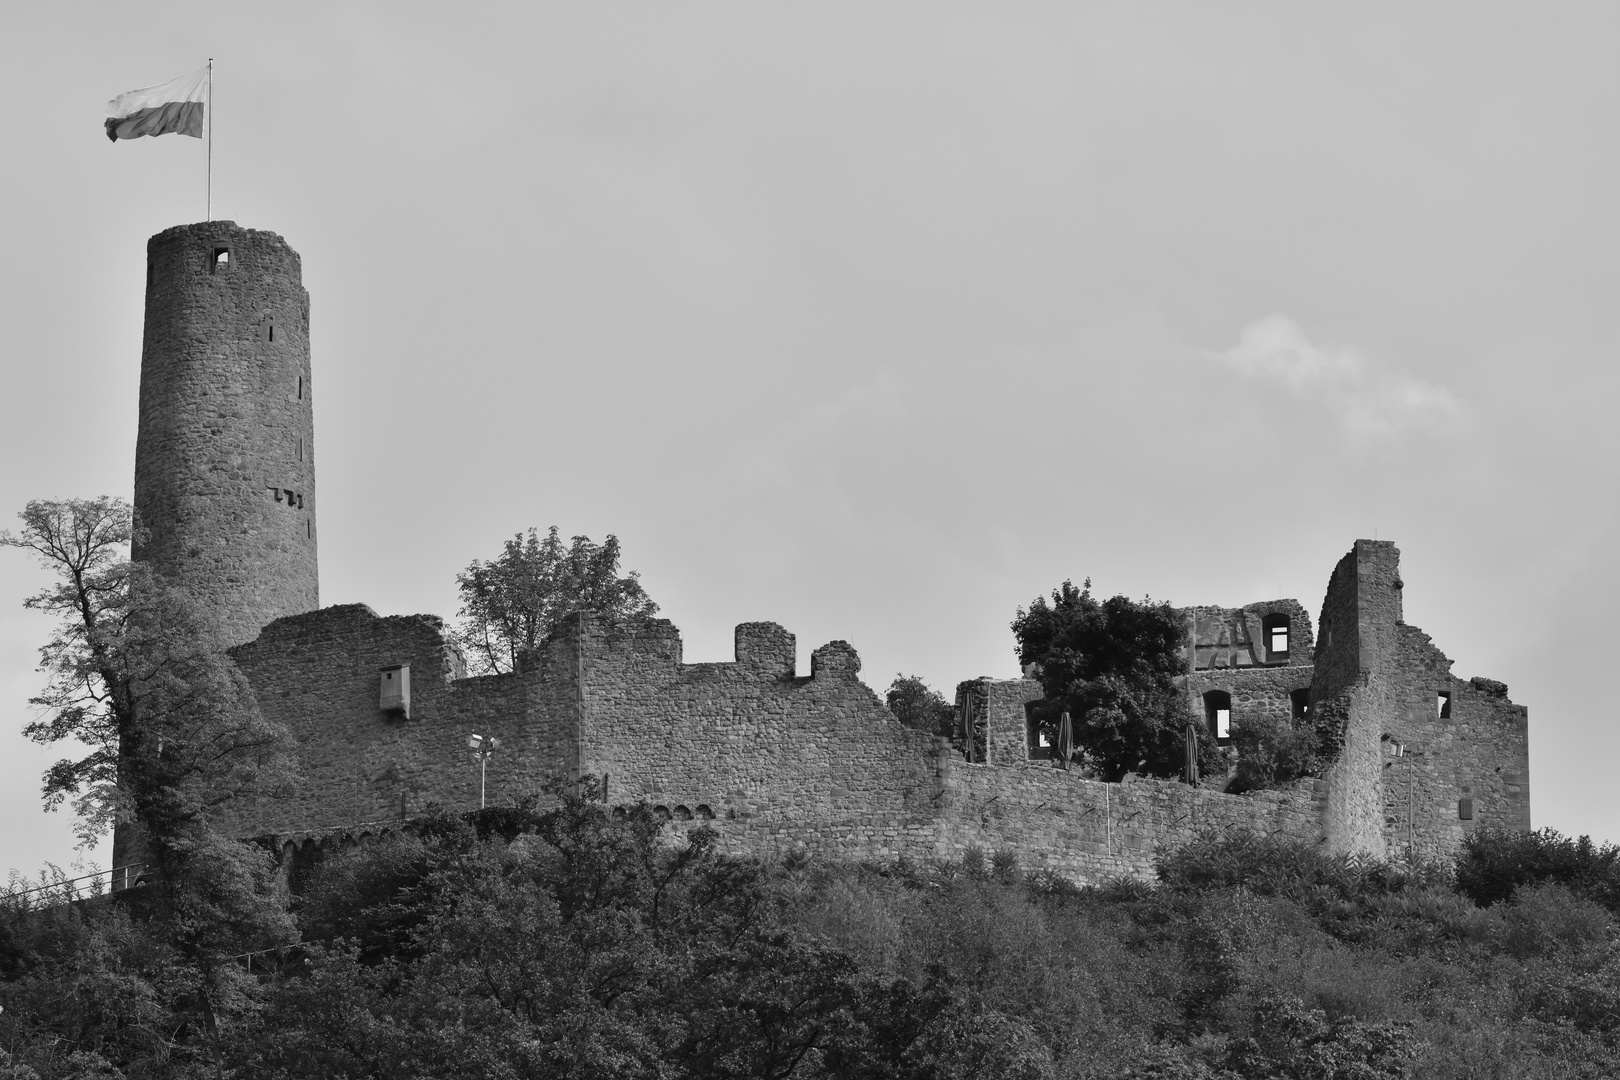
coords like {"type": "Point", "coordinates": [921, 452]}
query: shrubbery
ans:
{"type": "Point", "coordinates": [1495, 862]}
{"type": "Point", "coordinates": [563, 942]}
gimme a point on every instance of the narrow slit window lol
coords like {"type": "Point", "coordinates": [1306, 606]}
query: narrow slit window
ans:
{"type": "Point", "coordinates": [1442, 704]}
{"type": "Point", "coordinates": [300, 449]}
{"type": "Point", "coordinates": [300, 388]}
{"type": "Point", "coordinates": [270, 335]}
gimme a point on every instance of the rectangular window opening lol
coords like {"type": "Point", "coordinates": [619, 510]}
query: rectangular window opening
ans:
{"type": "Point", "coordinates": [1442, 704]}
{"type": "Point", "coordinates": [300, 449]}
{"type": "Point", "coordinates": [1275, 630]}
{"type": "Point", "coordinates": [300, 388]}
{"type": "Point", "coordinates": [219, 260]}
{"type": "Point", "coordinates": [1218, 715]}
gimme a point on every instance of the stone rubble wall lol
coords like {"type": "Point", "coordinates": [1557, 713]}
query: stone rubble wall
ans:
{"type": "Point", "coordinates": [777, 761]}
{"type": "Point", "coordinates": [1350, 690]}
{"type": "Point", "coordinates": [319, 674]}
{"type": "Point", "coordinates": [225, 452]}
{"type": "Point", "coordinates": [1264, 693]}
{"type": "Point", "coordinates": [1234, 637]}
{"type": "Point", "coordinates": [778, 758]}
{"type": "Point", "coordinates": [1479, 753]}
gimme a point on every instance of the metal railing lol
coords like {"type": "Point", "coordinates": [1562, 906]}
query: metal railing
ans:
{"type": "Point", "coordinates": [66, 890]}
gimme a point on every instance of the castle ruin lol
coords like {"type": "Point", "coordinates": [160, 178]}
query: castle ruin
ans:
{"type": "Point", "coordinates": [773, 759]}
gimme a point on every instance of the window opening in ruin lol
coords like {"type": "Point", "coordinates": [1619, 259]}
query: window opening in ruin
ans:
{"type": "Point", "coordinates": [300, 388]}
{"type": "Point", "coordinates": [300, 449]}
{"type": "Point", "coordinates": [220, 259]}
{"type": "Point", "coordinates": [1218, 715]}
{"type": "Point", "coordinates": [1035, 739]}
{"type": "Point", "coordinates": [1442, 704]}
{"type": "Point", "coordinates": [1276, 634]}
{"type": "Point", "coordinates": [1301, 699]}
{"type": "Point", "coordinates": [309, 531]}
{"type": "Point", "coordinates": [270, 335]}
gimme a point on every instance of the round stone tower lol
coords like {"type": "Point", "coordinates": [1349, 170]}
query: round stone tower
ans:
{"type": "Point", "coordinates": [225, 455]}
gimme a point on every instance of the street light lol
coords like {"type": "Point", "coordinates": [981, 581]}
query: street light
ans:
{"type": "Point", "coordinates": [483, 747]}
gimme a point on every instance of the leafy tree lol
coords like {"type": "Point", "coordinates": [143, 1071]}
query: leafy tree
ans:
{"type": "Point", "coordinates": [510, 604]}
{"type": "Point", "coordinates": [1271, 753]}
{"type": "Point", "coordinates": [172, 732]}
{"type": "Point", "coordinates": [1495, 863]}
{"type": "Point", "coordinates": [85, 542]}
{"type": "Point", "coordinates": [589, 948]}
{"type": "Point", "coordinates": [1113, 665]}
{"type": "Point", "coordinates": [173, 739]}
{"type": "Point", "coordinates": [918, 706]}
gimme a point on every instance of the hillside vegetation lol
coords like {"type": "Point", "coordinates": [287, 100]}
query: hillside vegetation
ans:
{"type": "Point", "coordinates": [519, 943]}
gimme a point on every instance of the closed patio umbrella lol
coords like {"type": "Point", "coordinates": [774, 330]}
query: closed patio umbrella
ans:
{"type": "Point", "coordinates": [1192, 753]}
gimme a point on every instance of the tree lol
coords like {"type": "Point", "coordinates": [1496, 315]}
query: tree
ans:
{"type": "Point", "coordinates": [171, 729]}
{"type": "Point", "coordinates": [173, 739]}
{"type": "Point", "coordinates": [510, 604]}
{"type": "Point", "coordinates": [917, 706]}
{"type": "Point", "coordinates": [85, 543]}
{"type": "Point", "coordinates": [1113, 665]}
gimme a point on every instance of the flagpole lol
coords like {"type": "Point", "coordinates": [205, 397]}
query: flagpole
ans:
{"type": "Point", "coordinates": [209, 214]}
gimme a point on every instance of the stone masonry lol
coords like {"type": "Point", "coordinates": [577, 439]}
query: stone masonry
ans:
{"type": "Point", "coordinates": [225, 455]}
{"type": "Point", "coordinates": [774, 760]}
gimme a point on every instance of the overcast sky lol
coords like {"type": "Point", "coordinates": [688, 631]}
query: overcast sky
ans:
{"type": "Point", "coordinates": [878, 320]}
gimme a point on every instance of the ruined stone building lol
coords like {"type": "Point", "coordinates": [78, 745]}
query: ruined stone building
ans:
{"type": "Point", "coordinates": [770, 756]}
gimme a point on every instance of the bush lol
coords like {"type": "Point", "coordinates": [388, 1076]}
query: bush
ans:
{"type": "Point", "coordinates": [1549, 920]}
{"type": "Point", "coordinates": [1496, 862]}
{"type": "Point", "coordinates": [1271, 753]}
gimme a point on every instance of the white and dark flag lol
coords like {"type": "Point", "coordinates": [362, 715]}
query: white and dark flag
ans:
{"type": "Point", "coordinates": [175, 106]}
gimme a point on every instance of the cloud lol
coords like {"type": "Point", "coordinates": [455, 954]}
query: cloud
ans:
{"type": "Point", "coordinates": [1372, 400]}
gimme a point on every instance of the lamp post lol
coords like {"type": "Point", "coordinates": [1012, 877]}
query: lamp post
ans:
{"type": "Point", "coordinates": [483, 748]}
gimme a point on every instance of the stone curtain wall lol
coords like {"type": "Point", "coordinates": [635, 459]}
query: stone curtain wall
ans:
{"type": "Point", "coordinates": [778, 759]}
{"type": "Point", "coordinates": [225, 455]}
{"type": "Point", "coordinates": [320, 675]}
{"type": "Point", "coordinates": [1090, 831]}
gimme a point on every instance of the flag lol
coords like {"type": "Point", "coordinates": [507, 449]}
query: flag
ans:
{"type": "Point", "coordinates": [176, 106]}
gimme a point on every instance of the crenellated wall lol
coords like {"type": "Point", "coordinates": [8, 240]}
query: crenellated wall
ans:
{"type": "Point", "coordinates": [776, 760]}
